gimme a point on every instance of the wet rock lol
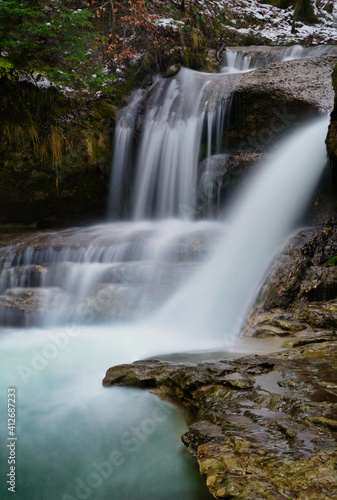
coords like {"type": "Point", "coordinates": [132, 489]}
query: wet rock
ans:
{"type": "Point", "coordinates": [276, 322]}
{"type": "Point", "coordinates": [26, 306]}
{"type": "Point", "coordinates": [302, 270]}
{"type": "Point", "coordinates": [318, 314]}
{"type": "Point", "coordinates": [22, 307]}
{"type": "Point", "coordinates": [326, 422]}
{"type": "Point", "coordinates": [272, 437]}
{"type": "Point", "coordinates": [172, 70]}
{"type": "Point", "coordinates": [299, 297]}
{"type": "Point", "coordinates": [24, 276]}
{"type": "Point", "coordinates": [220, 175]}
{"type": "Point", "coordinates": [319, 283]}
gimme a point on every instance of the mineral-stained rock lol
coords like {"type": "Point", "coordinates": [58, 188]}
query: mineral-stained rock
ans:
{"type": "Point", "coordinates": [261, 427]}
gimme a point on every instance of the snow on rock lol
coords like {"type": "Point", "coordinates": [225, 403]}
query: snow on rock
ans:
{"type": "Point", "coordinates": [266, 21]}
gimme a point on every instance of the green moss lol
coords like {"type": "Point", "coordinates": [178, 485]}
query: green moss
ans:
{"type": "Point", "coordinates": [332, 261]}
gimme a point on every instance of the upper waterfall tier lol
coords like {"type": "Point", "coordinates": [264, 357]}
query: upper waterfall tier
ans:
{"type": "Point", "coordinates": [181, 113]}
{"type": "Point", "coordinates": [167, 135]}
{"type": "Point", "coordinates": [243, 59]}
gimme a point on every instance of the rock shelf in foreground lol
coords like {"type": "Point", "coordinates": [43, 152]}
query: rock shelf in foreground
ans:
{"type": "Point", "coordinates": [261, 427]}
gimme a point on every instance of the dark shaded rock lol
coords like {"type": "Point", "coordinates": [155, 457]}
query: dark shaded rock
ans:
{"type": "Point", "coordinates": [220, 176]}
{"type": "Point", "coordinates": [299, 295]}
{"type": "Point", "coordinates": [55, 154]}
{"type": "Point", "coordinates": [321, 315]}
{"type": "Point", "coordinates": [332, 134]}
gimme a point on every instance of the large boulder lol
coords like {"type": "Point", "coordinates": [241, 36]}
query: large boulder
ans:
{"type": "Point", "coordinates": [274, 98]}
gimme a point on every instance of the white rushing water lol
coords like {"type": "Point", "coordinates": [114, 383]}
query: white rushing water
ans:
{"type": "Point", "coordinates": [108, 271]}
{"type": "Point", "coordinates": [243, 59]}
{"type": "Point", "coordinates": [217, 297]}
{"type": "Point", "coordinates": [182, 112]}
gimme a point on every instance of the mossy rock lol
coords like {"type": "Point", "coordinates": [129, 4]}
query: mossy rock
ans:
{"type": "Point", "coordinates": [55, 153]}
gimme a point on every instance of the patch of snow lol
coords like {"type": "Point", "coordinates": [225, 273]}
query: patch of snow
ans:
{"type": "Point", "coordinates": [275, 24]}
{"type": "Point", "coordinates": [43, 83]}
{"type": "Point", "coordinates": [168, 22]}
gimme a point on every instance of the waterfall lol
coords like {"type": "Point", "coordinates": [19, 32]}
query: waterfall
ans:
{"type": "Point", "coordinates": [178, 122]}
{"type": "Point", "coordinates": [216, 299]}
{"type": "Point", "coordinates": [243, 59]}
{"type": "Point", "coordinates": [159, 277]}
{"type": "Point", "coordinates": [181, 112]}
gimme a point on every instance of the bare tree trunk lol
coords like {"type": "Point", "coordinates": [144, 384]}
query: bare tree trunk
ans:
{"type": "Point", "coordinates": [113, 27]}
{"type": "Point", "coordinates": [296, 9]}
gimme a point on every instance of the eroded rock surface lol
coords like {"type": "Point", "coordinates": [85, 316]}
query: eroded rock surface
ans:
{"type": "Point", "coordinates": [305, 80]}
{"type": "Point", "coordinates": [261, 427]}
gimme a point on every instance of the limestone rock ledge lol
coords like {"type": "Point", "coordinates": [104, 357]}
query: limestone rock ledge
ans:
{"type": "Point", "coordinates": [261, 427]}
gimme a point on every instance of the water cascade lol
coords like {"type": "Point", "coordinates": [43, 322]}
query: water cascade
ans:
{"type": "Point", "coordinates": [78, 440]}
{"type": "Point", "coordinates": [181, 112]}
{"type": "Point", "coordinates": [256, 225]}
{"type": "Point", "coordinates": [243, 59]}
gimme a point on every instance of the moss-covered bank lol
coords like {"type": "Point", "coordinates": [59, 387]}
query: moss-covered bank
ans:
{"type": "Point", "coordinates": [55, 153]}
